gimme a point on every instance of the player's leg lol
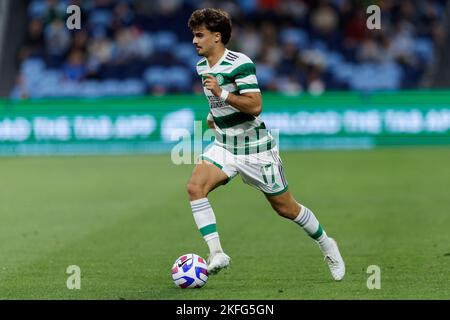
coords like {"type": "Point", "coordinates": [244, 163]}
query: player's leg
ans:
{"type": "Point", "coordinates": [265, 172]}
{"type": "Point", "coordinates": [206, 176]}
{"type": "Point", "coordinates": [286, 206]}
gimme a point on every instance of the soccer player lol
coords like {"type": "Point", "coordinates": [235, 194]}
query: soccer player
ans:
{"type": "Point", "coordinates": [242, 144]}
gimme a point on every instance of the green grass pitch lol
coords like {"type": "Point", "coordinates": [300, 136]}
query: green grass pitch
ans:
{"type": "Point", "coordinates": [124, 220]}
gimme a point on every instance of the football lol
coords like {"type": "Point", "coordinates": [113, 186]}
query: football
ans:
{"type": "Point", "coordinates": [190, 271]}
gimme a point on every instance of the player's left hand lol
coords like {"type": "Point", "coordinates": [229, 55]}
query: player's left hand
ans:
{"type": "Point", "coordinates": [211, 84]}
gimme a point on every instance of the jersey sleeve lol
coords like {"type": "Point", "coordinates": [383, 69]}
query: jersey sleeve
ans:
{"type": "Point", "coordinates": [245, 78]}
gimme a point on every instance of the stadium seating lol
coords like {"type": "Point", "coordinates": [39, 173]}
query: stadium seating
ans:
{"type": "Point", "coordinates": [130, 47]}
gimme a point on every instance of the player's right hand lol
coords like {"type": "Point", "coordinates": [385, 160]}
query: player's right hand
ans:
{"type": "Point", "coordinates": [211, 84]}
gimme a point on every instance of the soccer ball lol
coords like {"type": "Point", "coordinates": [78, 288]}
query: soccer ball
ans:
{"type": "Point", "coordinates": [190, 271]}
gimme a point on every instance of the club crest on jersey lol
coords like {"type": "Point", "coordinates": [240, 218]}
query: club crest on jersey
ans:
{"type": "Point", "coordinates": [220, 79]}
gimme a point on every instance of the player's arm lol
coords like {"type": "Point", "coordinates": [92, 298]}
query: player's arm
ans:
{"type": "Point", "coordinates": [249, 102]}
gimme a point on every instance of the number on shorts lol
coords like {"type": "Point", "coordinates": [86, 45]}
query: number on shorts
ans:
{"type": "Point", "coordinates": [268, 170]}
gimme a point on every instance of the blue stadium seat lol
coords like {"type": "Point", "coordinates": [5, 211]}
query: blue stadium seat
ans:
{"type": "Point", "coordinates": [294, 35]}
{"type": "Point", "coordinates": [37, 9]}
{"type": "Point", "coordinates": [32, 66]}
{"type": "Point", "coordinates": [165, 41]}
{"type": "Point", "coordinates": [265, 74]}
{"type": "Point", "coordinates": [133, 87]}
{"type": "Point", "coordinates": [179, 77]}
{"type": "Point", "coordinates": [100, 18]}
{"type": "Point", "coordinates": [423, 47]}
{"type": "Point", "coordinates": [344, 71]}
{"type": "Point", "coordinates": [185, 52]}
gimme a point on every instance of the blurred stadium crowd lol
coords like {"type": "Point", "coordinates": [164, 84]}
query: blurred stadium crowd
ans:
{"type": "Point", "coordinates": [135, 47]}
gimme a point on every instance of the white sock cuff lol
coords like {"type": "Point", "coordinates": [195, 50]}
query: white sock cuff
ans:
{"type": "Point", "coordinates": [305, 216]}
{"type": "Point", "coordinates": [199, 201]}
{"type": "Point", "coordinates": [200, 205]}
{"type": "Point", "coordinates": [203, 213]}
{"type": "Point", "coordinates": [300, 214]}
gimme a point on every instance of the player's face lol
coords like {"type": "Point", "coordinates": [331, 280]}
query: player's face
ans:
{"type": "Point", "coordinates": [205, 40]}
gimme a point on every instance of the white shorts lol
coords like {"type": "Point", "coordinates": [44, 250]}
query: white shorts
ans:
{"type": "Point", "coordinates": [263, 170]}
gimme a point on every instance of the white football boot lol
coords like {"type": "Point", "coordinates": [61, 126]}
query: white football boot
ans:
{"type": "Point", "coordinates": [217, 261]}
{"type": "Point", "coordinates": [335, 262]}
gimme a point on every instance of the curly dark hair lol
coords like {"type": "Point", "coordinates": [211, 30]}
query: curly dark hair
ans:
{"type": "Point", "coordinates": [215, 20]}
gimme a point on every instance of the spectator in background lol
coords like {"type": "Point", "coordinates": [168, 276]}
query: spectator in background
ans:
{"type": "Point", "coordinates": [250, 40]}
{"type": "Point", "coordinates": [100, 52]}
{"type": "Point", "coordinates": [313, 67]}
{"type": "Point", "coordinates": [297, 9]}
{"type": "Point", "coordinates": [289, 57]}
{"type": "Point", "coordinates": [123, 16]}
{"type": "Point", "coordinates": [122, 39]}
{"type": "Point", "coordinates": [74, 69]}
{"type": "Point", "coordinates": [402, 42]}
{"type": "Point", "coordinates": [289, 85]}
{"type": "Point", "coordinates": [124, 44]}
{"type": "Point", "coordinates": [270, 51]}
{"type": "Point", "coordinates": [374, 48]}
{"type": "Point", "coordinates": [429, 25]}
{"type": "Point", "coordinates": [57, 42]}
{"type": "Point", "coordinates": [355, 28]}
{"type": "Point", "coordinates": [80, 40]}
{"type": "Point", "coordinates": [325, 23]}
{"type": "Point", "coordinates": [56, 10]}
{"type": "Point", "coordinates": [268, 5]}
{"type": "Point", "coordinates": [34, 43]}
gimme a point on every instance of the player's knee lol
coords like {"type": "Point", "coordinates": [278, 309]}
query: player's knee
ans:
{"type": "Point", "coordinates": [195, 190]}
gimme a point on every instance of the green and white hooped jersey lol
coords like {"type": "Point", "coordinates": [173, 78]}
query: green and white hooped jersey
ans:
{"type": "Point", "coordinates": [236, 131]}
